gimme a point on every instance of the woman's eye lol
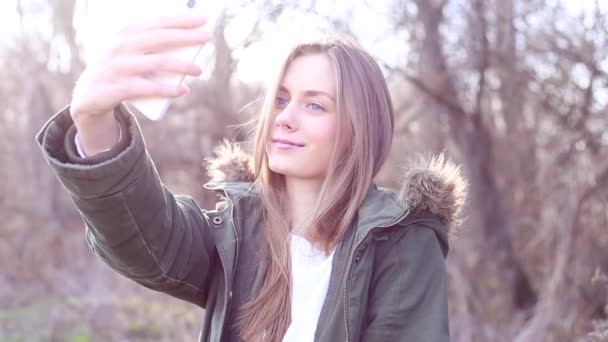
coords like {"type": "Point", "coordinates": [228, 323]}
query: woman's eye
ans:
{"type": "Point", "coordinates": [316, 107]}
{"type": "Point", "coordinates": [280, 101]}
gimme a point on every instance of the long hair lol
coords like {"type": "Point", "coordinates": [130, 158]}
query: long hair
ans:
{"type": "Point", "coordinates": [364, 136]}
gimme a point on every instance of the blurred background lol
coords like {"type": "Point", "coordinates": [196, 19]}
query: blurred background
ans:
{"type": "Point", "coordinates": [514, 90]}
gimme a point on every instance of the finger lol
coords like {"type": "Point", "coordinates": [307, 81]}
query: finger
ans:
{"type": "Point", "coordinates": [139, 65]}
{"type": "Point", "coordinates": [164, 39]}
{"type": "Point", "coordinates": [136, 88]}
{"type": "Point", "coordinates": [165, 22]}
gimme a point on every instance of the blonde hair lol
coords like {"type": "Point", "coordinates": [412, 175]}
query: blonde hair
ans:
{"type": "Point", "coordinates": [366, 123]}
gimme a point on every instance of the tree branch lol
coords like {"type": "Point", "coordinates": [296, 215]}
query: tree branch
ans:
{"type": "Point", "coordinates": [435, 95]}
{"type": "Point", "coordinates": [483, 58]}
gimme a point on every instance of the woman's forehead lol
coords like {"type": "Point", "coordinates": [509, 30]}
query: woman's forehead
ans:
{"type": "Point", "coordinates": [310, 75]}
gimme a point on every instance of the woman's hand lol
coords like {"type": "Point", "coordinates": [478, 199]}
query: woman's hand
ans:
{"type": "Point", "coordinates": [119, 73]}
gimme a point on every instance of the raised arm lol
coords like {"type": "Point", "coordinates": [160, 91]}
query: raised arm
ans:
{"type": "Point", "coordinates": [133, 222]}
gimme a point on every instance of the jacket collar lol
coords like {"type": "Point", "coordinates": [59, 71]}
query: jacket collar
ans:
{"type": "Point", "coordinates": [428, 183]}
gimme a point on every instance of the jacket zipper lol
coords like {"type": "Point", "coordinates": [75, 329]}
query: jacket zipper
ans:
{"type": "Point", "coordinates": [350, 265]}
{"type": "Point", "coordinates": [236, 258]}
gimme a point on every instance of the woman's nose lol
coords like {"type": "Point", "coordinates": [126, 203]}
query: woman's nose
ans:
{"type": "Point", "coordinates": [285, 118]}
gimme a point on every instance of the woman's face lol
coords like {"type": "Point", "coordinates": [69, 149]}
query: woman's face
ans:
{"type": "Point", "coordinates": [305, 119]}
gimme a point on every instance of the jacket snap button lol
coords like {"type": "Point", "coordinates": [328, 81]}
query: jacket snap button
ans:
{"type": "Point", "coordinates": [217, 220]}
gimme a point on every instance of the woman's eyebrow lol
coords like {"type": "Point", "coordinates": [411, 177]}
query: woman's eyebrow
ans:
{"type": "Point", "coordinates": [319, 92]}
{"type": "Point", "coordinates": [310, 93]}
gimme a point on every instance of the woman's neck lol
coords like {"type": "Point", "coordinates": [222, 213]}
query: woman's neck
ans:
{"type": "Point", "coordinates": [302, 194]}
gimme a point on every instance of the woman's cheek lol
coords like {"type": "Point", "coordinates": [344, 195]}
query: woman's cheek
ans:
{"type": "Point", "coordinates": [327, 136]}
{"type": "Point", "coordinates": [327, 131]}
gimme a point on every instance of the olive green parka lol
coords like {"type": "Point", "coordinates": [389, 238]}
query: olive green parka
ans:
{"type": "Point", "coordinates": [388, 279]}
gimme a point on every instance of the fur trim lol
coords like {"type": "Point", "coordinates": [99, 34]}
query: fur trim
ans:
{"type": "Point", "coordinates": [230, 163]}
{"type": "Point", "coordinates": [429, 183]}
{"type": "Point", "coordinates": [435, 184]}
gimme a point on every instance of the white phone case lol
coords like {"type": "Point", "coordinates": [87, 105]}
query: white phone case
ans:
{"type": "Point", "coordinates": [104, 18]}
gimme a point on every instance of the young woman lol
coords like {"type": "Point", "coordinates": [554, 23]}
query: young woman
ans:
{"type": "Point", "coordinates": [303, 246]}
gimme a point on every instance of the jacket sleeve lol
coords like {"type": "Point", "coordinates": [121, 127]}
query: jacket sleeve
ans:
{"type": "Point", "coordinates": [132, 221]}
{"type": "Point", "coordinates": [408, 298]}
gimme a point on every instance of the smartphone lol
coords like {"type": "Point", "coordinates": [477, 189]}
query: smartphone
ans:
{"type": "Point", "coordinates": [104, 18]}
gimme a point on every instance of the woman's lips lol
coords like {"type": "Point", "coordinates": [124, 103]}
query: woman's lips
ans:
{"type": "Point", "coordinates": [286, 144]}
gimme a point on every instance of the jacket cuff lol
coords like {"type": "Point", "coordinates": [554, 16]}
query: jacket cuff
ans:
{"type": "Point", "coordinates": [102, 174]}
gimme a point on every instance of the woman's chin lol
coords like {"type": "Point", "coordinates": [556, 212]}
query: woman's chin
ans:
{"type": "Point", "coordinates": [281, 169]}
{"type": "Point", "coordinates": [293, 167]}
{"type": "Point", "coordinates": [287, 170]}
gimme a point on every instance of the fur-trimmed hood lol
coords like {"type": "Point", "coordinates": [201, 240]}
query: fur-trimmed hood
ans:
{"type": "Point", "coordinates": [430, 183]}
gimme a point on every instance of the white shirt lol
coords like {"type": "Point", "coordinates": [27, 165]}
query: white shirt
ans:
{"type": "Point", "coordinates": [310, 270]}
